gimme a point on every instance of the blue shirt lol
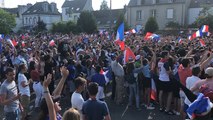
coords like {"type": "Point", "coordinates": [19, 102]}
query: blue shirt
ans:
{"type": "Point", "coordinates": [146, 71]}
{"type": "Point", "coordinates": [95, 110]}
{"type": "Point", "coordinates": [99, 78]}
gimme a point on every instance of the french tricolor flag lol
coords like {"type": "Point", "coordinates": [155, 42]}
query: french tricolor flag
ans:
{"type": "Point", "coordinates": [150, 35]}
{"type": "Point", "coordinates": [12, 43]}
{"type": "Point", "coordinates": [189, 37]}
{"type": "Point", "coordinates": [202, 43]}
{"type": "Point", "coordinates": [198, 33]}
{"type": "Point", "coordinates": [120, 37]}
{"type": "Point", "coordinates": [204, 29]}
{"type": "Point", "coordinates": [201, 105]}
{"type": "Point", "coordinates": [180, 40]}
{"type": "Point", "coordinates": [128, 54]}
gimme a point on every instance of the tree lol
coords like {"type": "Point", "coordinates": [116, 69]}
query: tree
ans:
{"type": "Point", "coordinates": [204, 18]}
{"type": "Point", "coordinates": [87, 23]}
{"type": "Point", "coordinates": [151, 25]}
{"type": "Point", "coordinates": [7, 22]}
{"type": "Point", "coordinates": [120, 20]}
{"type": "Point", "coordinates": [40, 27]}
{"type": "Point", "coordinates": [104, 5]}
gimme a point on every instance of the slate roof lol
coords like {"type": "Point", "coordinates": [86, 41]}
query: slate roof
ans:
{"type": "Point", "coordinates": [75, 6]}
{"type": "Point", "coordinates": [103, 16]}
{"type": "Point", "coordinates": [134, 2]}
{"type": "Point", "coordinates": [11, 10]}
{"type": "Point", "coordinates": [199, 3]}
{"type": "Point", "coordinates": [37, 8]}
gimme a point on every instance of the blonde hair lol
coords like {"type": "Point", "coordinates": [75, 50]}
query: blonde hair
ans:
{"type": "Point", "coordinates": [71, 114]}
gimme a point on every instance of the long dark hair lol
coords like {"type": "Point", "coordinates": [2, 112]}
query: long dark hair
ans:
{"type": "Point", "coordinates": [130, 67]}
{"type": "Point", "coordinates": [31, 66]}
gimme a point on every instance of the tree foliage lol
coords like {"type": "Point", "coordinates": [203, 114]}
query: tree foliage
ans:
{"type": "Point", "coordinates": [151, 25]}
{"type": "Point", "coordinates": [7, 22]}
{"type": "Point", "coordinates": [104, 5]}
{"type": "Point", "coordinates": [40, 27]}
{"type": "Point", "coordinates": [120, 20]}
{"type": "Point", "coordinates": [87, 23]}
{"type": "Point", "coordinates": [204, 18]}
{"type": "Point", "coordinates": [65, 28]}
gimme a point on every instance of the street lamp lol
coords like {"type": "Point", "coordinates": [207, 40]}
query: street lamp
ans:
{"type": "Point", "coordinates": [110, 18]}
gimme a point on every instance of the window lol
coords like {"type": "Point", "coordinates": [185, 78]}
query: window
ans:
{"type": "Point", "coordinates": [26, 19]}
{"type": "Point", "coordinates": [153, 13]}
{"type": "Point", "coordinates": [139, 15]}
{"type": "Point", "coordinates": [142, 2]}
{"type": "Point", "coordinates": [75, 18]}
{"type": "Point", "coordinates": [170, 13]}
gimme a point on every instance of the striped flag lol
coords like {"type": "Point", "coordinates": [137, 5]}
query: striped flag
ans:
{"type": "Point", "coordinates": [120, 37]}
{"type": "Point", "coordinates": [200, 106]}
{"type": "Point", "coordinates": [128, 54]}
{"type": "Point", "coordinates": [202, 43]}
{"type": "Point", "coordinates": [204, 29]}
{"type": "Point", "coordinates": [180, 40]}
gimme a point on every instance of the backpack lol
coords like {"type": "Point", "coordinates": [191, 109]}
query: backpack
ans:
{"type": "Point", "coordinates": [130, 78]}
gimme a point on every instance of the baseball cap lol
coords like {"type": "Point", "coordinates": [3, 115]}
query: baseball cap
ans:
{"type": "Point", "coordinates": [209, 71]}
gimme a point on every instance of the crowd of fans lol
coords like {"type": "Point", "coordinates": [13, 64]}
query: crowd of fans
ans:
{"type": "Point", "coordinates": [180, 72]}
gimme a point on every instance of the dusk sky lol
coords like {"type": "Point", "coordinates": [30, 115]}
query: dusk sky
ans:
{"type": "Point", "coordinates": [95, 3]}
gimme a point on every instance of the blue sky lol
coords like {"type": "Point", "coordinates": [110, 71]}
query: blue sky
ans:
{"type": "Point", "coordinates": [96, 3]}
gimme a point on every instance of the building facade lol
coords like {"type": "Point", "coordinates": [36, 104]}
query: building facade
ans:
{"type": "Point", "coordinates": [196, 6]}
{"type": "Point", "coordinates": [139, 11]}
{"type": "Point", "coordinates": [71, 9]}
{"type": "Point", "coordinates": [28, 15]}
{"type": "Point", "coordinates": [43, 11]}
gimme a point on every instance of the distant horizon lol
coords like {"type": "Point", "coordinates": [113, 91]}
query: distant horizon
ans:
{"type": "Point", "coordinates": [116, 4]}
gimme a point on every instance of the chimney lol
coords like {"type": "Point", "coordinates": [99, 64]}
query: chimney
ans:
{"type": "Point", "coordinates": [53, 6]}
{"type": "Point", "coordinates": [29, 5]}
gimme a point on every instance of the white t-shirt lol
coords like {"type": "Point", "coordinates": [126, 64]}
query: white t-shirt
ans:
{"type": "Point", "coordinates": [77, 101]}
{"type": "Point", "coordinates": [163, 75]}
{"type": "Point", "coordinates": [190, 82]}
{"type": "Point", "coordinates": [23, 90]}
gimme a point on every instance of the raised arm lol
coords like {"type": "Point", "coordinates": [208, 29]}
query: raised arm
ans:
{"type": "Point", "coordinates": [203, 64]}
{"type": "Point", "coordinates": [48, 98]}
{"type": "Point", "coordinates": [64, 73]}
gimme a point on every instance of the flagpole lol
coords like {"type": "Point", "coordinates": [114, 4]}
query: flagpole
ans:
{"type": "Point", "coordinates": [110, 25]}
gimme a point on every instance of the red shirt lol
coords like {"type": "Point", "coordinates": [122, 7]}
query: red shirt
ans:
{"type": "Point", "coordinates": [184, 73]}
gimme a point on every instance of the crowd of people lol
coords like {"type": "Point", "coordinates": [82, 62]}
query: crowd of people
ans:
{"type": "Point", "coordinates": [81, 66]}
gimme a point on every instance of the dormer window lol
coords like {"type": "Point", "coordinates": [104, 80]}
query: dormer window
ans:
{"type": "Point", "coordinates": [77, 9]}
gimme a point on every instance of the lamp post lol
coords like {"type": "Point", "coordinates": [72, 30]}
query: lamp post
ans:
{"type": "Point", "coordinates": [110, 16]}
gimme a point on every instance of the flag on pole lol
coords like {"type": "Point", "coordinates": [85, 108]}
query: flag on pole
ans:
{"type": "Point", "coordinates": [120, 37]}
{"type": "Point", "coordinates": [198, 33]}
{"type": "Point", "coordinates": [153, 91]}
{"type": "Point", "coordinates": [204, 29]}
{"type": "Point", "coordinates": [180, 40]}
{"type": "Point", "coordinates": [128, 54]}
